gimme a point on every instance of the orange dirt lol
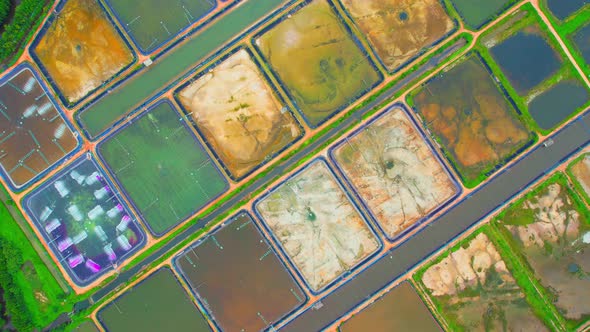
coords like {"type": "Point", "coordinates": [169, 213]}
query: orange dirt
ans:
{"type": "Point", "coordinates": [81, 49]}
{"type": "Point", "coordinates": [399, 30]}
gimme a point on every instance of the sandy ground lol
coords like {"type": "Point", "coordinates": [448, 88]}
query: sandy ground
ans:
{"type": "Point", "coordinates": [556, 245]}
{"type": "Point", "coordinates": [477, 292]}
{"type": "Point", "coordinates": [398, 30]}
{"type": "Point", "coordinates": [82, 49]}
{"type": "Point", "coordinates": [581, 171]}
{"type": "Point", "coordinates": [318, 227]}
{"type": "Point", "coordinates": [239, 114]}
{"type": "Point", "coordinates": [395, 172]}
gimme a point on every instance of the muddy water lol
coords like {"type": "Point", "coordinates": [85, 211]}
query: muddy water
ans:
{"type": "Point", "coordinates": [239, 114]}
{"type": "Point", "coordinates": [471, 117]}
{"type": "Point", "coordinates": [401, 309]}
{"type": "Point", "coordinates": [30, 142]}
{"type": "Point", "coordinates": [318, 61]}
{"type": "Point", "coordinates": [317, 225]}
{"type": "Point", "coordinates": [416, 26]}
{"type": "Point", "coordinates": [394, 171]}
{"type": "Point", "coordinates": [242, 282]}
{"type": "Point", "coordinates": [526, 58]}
{"type": "Point", "coordinates": [81, 49]}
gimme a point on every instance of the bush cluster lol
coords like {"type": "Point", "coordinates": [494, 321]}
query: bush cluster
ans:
{"type": "Point", "coordinates": [11, 261]}
{"type": "Point", "coordinates": [4, 11]}
{"type": "Point", "coordinates": [25, 17]}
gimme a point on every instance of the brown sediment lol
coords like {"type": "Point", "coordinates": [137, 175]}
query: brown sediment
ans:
{"type": "Point", "coordinates": [81, 49]}
{"type": "Point", "coordinates": [477, 292]}
{"type": "Point", "coordinates": [399, 30]}
{"type": "Point", "coordinates": [555, 240]}
{"type": "Point", "coordinates": [239, 114]}
{"type": "Point", "coordinates": [317, 225]}
{"type": "Point", "coordinates": [395, 172]}
{"type": "Point", "coordinates": [581, 171]}
{"type": "Point", "coordinates": [471, 117]}
{"type": "Point", "coordinates": [33, 135]}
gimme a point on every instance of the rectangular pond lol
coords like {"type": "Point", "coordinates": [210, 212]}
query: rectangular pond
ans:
{"type": "Point", "coordinates": [476, 13]}
{"type": "Point", "coordinates": [84, 221]}
{"type": "Point", "coordinates": [557, 103]}
{"type": "Point", "coordinates": [34, 136]}
{"type": "Point", "coordinates": [162, 167]}
{"type": "Point", "coordinates": [156, 304]}
{"type": "Point", "coordinates": [562, 9]}
{"type": "Point", "coordinates": [239, 278]}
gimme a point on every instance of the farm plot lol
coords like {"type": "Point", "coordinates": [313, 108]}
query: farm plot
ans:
{"type": "Point", "coordinates": [473, 290]}
{"type": "Point", "coordinates": [236, 273]}
{"type": "Point", "coordinates": [318, 61]}
{"type": "Point", "coordinates": [33, 134]}
{"type": "Point", "coordinates": [159, 303]}
{"type": "Point", "coordinates": [549, 226]}
{"type": "Point", "coordinates": [476, 13]}
{"type": "Point", "coordinates": [317, 225]}
{"type": "Point", "coordinates": [581, 39]}
{"type": "Point", "coordinates": [155, 22]}
{"type": "Point", "coordinates": [238, 113]}
{"type": "Point", "coordinates": [555, 104]}
{"type": "Point", "coordinates": [86, 224]}
{"type": "Point", "coordinates": [564, 9]}
{"type": "Point", "coordinates": [81, 49]}
{"type": "Point", "coordinates": [471, 118]}
{"type": "Point", "coordinates": [162, 168]}
{"type": "Point", "coordinates": [400, 309]}
{"type": "Point", "coordinates": [526, 58]}
{"type": "Point", "coordinates": [399, 30]}
{"type": "Point", "coordinates": [579, 171]}
{"type": "Point", "coordinates": [394, 171]}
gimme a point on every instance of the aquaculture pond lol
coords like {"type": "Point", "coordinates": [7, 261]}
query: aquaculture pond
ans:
{"type": "Point", "coordinates": [473, 290]}
{"type": "Point", "coordinates": [317, 60]}
{"type": "Point", "coordinates": [239, 114]}
{"type": "Point", "coordinates": [400, 309]}
{"type": "Point", "coordinates": [558, 102]}
{"type": "Point", "coordinates": [155, 22]}
{"type": "Point", "coordinates": [394, 171]}
{"type": "Point", "coordinates": [526, 58]}
{"type": "Point", "coordinates": [81, 49]}
{"type": "Point", "coordinates": [470, 116]}
{"type": "Point", "coordinates": [581, 40]}
{"type": "Point", "coordinates": [158, 303]}
{"type": "Point", "coordinates": [475, 13]}
{"type": "Point", "coordinates": [563, 9]}
{"type": "Point", "coordinates": [239, 277]}
{"type": "Point", "coordinates": [417, 25]}
{"type": "Point", "coordinates": [317, 225]}
{"type": "Point", "coordinates": [163, 169]}
{"type": "Point", "coordinates": [86, 326]}
{"type": "Point", "coordinates": [549, 227]}
{"type": "Point", "coordinates": [84, 221]}
{"type": "Point", "coordinates": [33, 134]}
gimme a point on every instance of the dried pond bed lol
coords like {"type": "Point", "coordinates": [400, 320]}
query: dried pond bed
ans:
{"type": "Point", "coordinates": [399, 30]}
{"type": "Point", "coordinates": [473, 290]}
{"type": "Point", "coordinates": [239, 114]}
{"type": "Point", "coordinates": [317, 225]}
{"type": "Point", "coordinates": [81, 49]}
{"type": "Point", "coordinates": [394, 171]}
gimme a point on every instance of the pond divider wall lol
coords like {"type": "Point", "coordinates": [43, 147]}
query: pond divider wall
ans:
{"type": "Point", "coordinates": [112, 173]}
{"type": "Point", "coordinates": [189, 71]}
{"type": "Point", "coordinates": [276, 93]}
{"type": "Point", "coordinates": [417, 223]}
{"type": "Point", "coordinates": [357, 42]}
{"type": "Point", "coordinates": [6, 78]}
{"type": "Point", "coordinates": [227, 223]}
{"type": "Point", "coordinates": [39, 190]}
{"type": "Point", "coordinates": [43, 70]}
{"type": "Point", "coordinates": [354, 205]}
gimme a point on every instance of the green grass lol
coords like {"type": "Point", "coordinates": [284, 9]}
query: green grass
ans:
{"type": "Point", "coordinates": [567, 71]}
{"type": "Point", "coordinates": [33, 278]}
{"type": "Point", "coordinates": [162, 167]}
{"type": "Point", "coordinates": [125, 98]}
